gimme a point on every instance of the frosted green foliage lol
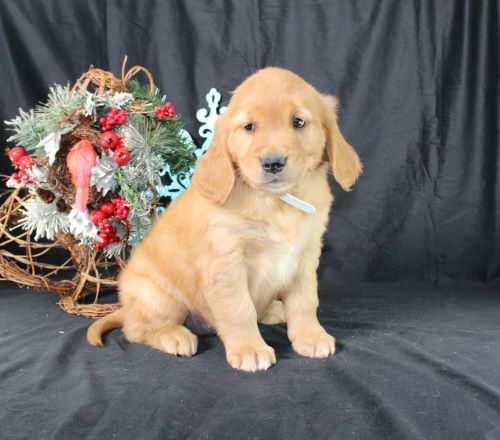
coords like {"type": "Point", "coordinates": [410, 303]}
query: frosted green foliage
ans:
{"type": "Point", "coordinates": [38, 174]}
{"type": "Point", "coordinates": [139, 219]}
{"type": "Point", "coordinates": [81, 227]}
{"type": "Point", "coordinates": [120, 100]}
{"type": "Point", "coordinates": [133, 187]}
{"type": "Point", "coordinates": [27, 131]}
{"type": "Point", "coordinates": [43, 219]}
{"type": "Point", "coordinates": [165, 139]}
{"type": "Point", "coordinates": [59, 105]}
{"type": "Point", "coordinates": [36, 128]}
{"type": "Point", "coordinates": [108, 100]}
{"type": "Point", "coordinates": [113, 249]}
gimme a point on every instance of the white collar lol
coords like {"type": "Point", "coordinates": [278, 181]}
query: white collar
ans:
{"type": "Point", "coordinates": [298, 203]}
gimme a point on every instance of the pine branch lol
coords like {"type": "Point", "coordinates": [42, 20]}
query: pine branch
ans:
{"type": "Point", "coordinates": [59, 105]}
{"type": "Point", "coordinates": [32, 127]}
{"type": "Point", "coordinates": [143, 92]}
{"type": "Point", "coordinates": [43, 219]}
{"type": "Point", "coordinates": [28, 132]}
{"type": "Point", "coordinates": [131, 189]}
{"type": "Point", "coordinates": [175, 149]}
{"type": "Point", "coordinates": [163, 138]}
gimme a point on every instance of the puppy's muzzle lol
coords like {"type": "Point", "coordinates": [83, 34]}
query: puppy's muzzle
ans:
{"type": "Point", "coordinates": [273, 164]}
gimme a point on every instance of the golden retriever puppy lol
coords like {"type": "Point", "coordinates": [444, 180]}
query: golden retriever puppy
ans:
{"type": "Point", "coordinates": [230, 251]}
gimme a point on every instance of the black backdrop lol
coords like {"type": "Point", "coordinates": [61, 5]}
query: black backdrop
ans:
{"type": "Point", "coordinates": [418, 83]}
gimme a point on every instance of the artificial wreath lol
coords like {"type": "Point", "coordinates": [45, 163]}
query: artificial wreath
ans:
{"type": "Point", "coordinates": [86, 164]}
{"type": "Point", "coordinates": [91, 162]}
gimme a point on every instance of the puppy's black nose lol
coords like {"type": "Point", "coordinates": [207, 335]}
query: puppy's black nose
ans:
{"type": "Point", "coordinates": [273, 164]}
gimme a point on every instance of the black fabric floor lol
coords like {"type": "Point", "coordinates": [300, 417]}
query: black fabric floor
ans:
{"type": "Point", "coordinates": [413, 362]}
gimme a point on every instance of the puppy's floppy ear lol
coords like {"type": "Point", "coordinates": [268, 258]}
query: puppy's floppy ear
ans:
{"type": "Point", "coordinates": [214, 174]}
{"type": "Point", "coordinates": [345, 163]}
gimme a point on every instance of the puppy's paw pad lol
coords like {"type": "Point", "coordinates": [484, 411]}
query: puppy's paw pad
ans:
{"type": "Point", "coordinates": [315, 345]}
{"type": "Point", "coordinates": [179, 341]}
{"type": "Point", "coordinates": [252, 358]}
{"type": "Point", "coordinates": [275, 313]}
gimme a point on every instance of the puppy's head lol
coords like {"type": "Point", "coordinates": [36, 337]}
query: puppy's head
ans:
{"type": "Point", "coordinates": [276, 131]}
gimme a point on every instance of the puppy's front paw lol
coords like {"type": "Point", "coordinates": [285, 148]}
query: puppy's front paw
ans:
{"type": "Point", "coordinates": [314, 343]}
{"type": "Point", "coordinates": [179, 341]}
{"type": "Point", "coordinates": [251, 357]}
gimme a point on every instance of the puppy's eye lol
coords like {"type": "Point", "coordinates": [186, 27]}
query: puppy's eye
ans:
{"type": "Point", "coordinates": [298, 123]}
{"type": "Point", "coordinates": [249, 127]}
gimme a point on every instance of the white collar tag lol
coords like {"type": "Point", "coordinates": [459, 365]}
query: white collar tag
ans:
{"type": "Point", "coordinates": [298, 203]}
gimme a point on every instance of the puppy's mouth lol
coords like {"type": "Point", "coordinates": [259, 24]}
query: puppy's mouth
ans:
{"type": "Point", "coordinates": [276, 185]}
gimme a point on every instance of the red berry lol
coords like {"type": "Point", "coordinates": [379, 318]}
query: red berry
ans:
{"type": "Point", "coordinates": [108, 208]}
{"type": "Point", "coordinates": [102, 234]}
{"type": "Point", "coordinates": [25, 178]}
{"type": "Point", "coordinates": [96, 216]}
{"type": "Point", "coordinates": [101, 242]}
{"type": "Point", "coordinates": [119, 142]}
{"type": "Point", "coordinates": [121, 156]}
{"type": "Point", "coordinates": [25, 162]}
{"type": "Point", "coordinates": [15, 154]}
{"type": "Point", "coordinates": [122, 215]}
{"type": "Point", "coordinates": [108, 139]}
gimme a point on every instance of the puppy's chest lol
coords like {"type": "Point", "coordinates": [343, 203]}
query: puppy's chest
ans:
{"type": "Point", "coordinates": [272, 255]}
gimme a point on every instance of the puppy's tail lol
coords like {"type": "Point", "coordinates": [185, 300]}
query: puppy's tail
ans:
{"type": "Point", "coordinates": [103, 325]}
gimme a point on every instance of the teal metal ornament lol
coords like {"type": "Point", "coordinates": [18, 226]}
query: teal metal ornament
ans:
{"type": "Point", "coordinates": [208, 118]}
{"type": "Point", "coordinates": [179, 182]}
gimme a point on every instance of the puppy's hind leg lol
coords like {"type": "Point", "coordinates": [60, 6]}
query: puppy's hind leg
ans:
{"type": "Point", "coordinates": [156, 317]}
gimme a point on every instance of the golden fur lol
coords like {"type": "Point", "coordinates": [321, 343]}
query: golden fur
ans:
{"type": "Point", "coordinates": [229, 250]}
